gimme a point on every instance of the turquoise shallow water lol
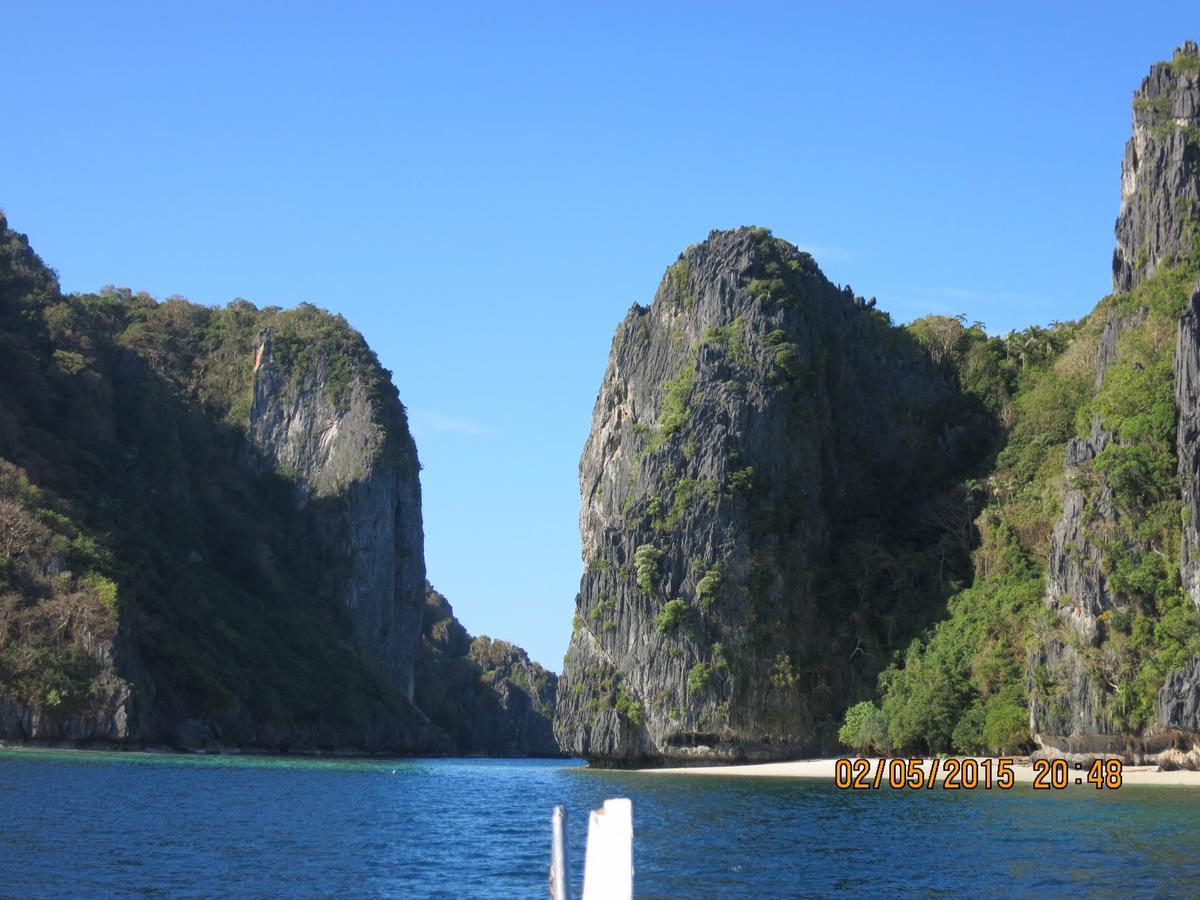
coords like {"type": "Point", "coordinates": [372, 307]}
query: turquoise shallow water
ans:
{"type": "Point", "coordinates": [94, 825]}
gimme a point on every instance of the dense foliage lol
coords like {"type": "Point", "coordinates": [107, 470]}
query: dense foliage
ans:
{"type": "Point", "coordinates": [962, 685]}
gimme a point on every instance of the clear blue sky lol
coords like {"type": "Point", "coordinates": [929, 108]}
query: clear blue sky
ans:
{"type": "Point", "coordinates": [483, 190]}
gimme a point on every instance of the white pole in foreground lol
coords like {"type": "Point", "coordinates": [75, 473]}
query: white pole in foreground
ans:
{"type": "Point", "coordinates": [560, 857]}
{"type": "Point", "coordinates": [608, 866]}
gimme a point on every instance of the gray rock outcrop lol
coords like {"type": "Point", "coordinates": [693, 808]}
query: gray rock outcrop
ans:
{"type": "Point", "coordinates": [1187, 406]}
{"type": "Point", "coordinates": [1160, 173]}
{"type": "Point", "coordinates": [354, 450]}
{"type": "Point", "coordinates": [1179, 704]}
{"type": "Point", "coordinates": [1177, 699]}
{"type": "Point", "coordinates": [210, 532]}
{"type": "Point", "coordinates": [1077, 588]}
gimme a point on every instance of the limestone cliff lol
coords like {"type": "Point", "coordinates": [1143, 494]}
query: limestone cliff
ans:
{"type": "Point", "coordinates": [776, 484]}
{"type": "Point", "coordinates": [1160, 181]}
{"type": "Point", "coordinates": [758, 523]}
{"type": "Point", "coordinates": [1187, 404]}
{"type": "Point", "coordinates": [1088, 710]}
{"type": "Point", "coordinates": [60, 634]}
{"type": "Point", "coordinates": [345, 445]}
{"type": "Point", "coordinates": [1077, 588]}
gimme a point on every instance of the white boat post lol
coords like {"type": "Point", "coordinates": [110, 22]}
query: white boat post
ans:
{"type": "Point", "coordinates": [560, 856]}
{"type": "Point", "coordinates": [608, 865]}
{"type": "Point", "coordinates": [608, 862]}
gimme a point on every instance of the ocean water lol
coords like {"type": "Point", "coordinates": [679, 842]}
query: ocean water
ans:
{"type": "Point", "coordinates": [98, 824]}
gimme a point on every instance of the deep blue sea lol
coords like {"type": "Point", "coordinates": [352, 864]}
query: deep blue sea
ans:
{"type": "Point", "coordinates": [100, 824]}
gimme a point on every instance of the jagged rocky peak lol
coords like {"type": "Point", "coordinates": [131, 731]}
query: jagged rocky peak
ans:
{"type": "Point", "coordinates": [325, 413]}
{"type": "Point", "coordinates": [1160, 174]}
{"type": "Point", "coordinates": [753, 433]}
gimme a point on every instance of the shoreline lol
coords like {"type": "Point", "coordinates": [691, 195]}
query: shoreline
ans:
{"type": "Point", "coordinates": [824, 769]}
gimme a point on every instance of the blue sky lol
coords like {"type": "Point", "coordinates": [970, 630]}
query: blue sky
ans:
{"type": "Point", "coordinates": [484, 189]}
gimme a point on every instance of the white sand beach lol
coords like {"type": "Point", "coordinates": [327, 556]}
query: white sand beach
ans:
{"type": "Point", "coordinates": [1022, 771]}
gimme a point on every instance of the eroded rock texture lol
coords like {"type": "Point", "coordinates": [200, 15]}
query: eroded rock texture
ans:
{"type": "Point", "coordinates": [1187, 405]}
{"type": "Point", "coordinates": [1076, 586]}
{"type": "Point", "coordinates": [1160, 174]}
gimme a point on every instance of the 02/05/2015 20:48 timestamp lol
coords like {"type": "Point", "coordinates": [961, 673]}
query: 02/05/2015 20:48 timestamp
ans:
{"type": "Point", "coordinates": [971, 774]}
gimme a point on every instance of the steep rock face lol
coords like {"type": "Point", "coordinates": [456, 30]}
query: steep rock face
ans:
{"type": "Point", "coordinates": [355, 450]}
{"type": "Point", "coordinates": [488, 695]}
{"type": "Point", "coordinates": [1077, 589]}
{"type": "Point", "coordinates": [1156, 229]}
{"type": "Point", "coordinates": [1160, 174]}
{"type": "Point", "coordinates": [1187, 405]}
{"type": "Point", "coordinates": [764, 448]}
{"type": "Point", "coordinates": [1179, 707]}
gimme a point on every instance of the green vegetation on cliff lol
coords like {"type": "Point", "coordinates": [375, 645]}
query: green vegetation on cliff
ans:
{"type": "Point", "coordinates": [53, 598]}
{"type": "Point", "coordinates": [1153, 629]}
{"type": "Point", "coordinates": [969, 668]}
{"type": "Point", "coordinates": [963, 684]}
